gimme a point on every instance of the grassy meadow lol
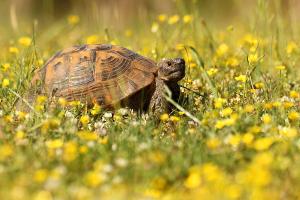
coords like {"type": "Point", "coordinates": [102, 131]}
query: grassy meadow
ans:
{"type": "Point", "coordinates": [236, 136]}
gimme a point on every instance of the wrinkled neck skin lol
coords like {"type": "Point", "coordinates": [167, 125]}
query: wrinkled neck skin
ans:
{"type": "Point", "coordinates": [158, 103]}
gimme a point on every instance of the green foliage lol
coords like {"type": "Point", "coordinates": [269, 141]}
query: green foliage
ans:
{"type": "Point", "coordinates": [235, 134]}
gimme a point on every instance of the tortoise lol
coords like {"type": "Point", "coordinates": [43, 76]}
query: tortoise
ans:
{"type": "Point", "coordinates": [111, 76]}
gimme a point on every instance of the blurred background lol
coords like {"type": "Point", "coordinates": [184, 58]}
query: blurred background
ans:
{"type": "Point", "coordinates": [61, 23]}
{"type": "Point", "coordinates": [19, 14]}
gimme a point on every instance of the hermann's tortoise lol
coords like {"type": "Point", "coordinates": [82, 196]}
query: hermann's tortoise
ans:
{"type": "Point", "coordinates": [111, 76]}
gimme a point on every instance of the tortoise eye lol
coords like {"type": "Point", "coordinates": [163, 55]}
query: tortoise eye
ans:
{"type": "Point", "coordinates": [169, 63]}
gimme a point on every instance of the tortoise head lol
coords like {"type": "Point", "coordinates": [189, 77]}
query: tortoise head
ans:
{"type": "Point", "coordinates": [171, 70]}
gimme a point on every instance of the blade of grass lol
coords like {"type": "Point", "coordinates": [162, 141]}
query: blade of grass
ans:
{"type": "Point", "coordinates": [201, 64]}
{"type": "Point", "coordinates": [22, 99]}
{"type": "Point", "coordinates": [168, 97]}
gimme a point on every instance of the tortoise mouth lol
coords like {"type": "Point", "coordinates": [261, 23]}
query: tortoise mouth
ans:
{"type": "Point", "coordinates": [174, 76]}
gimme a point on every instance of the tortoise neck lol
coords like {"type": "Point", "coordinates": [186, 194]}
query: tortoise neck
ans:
{"type": "Point", "coordinates": [170, 84]}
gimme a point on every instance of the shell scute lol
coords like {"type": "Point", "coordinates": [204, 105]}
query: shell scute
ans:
{"type": "Point", "coordinates": [104, 73]}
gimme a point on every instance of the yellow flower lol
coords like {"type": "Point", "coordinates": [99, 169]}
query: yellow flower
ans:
{"type": "Point", "coordinates": [249, 108]}
{"type": "Point", "coordinates": [220, 124]}
{"type": "Point", "coordinates": [43, 195]}
{"type": "Point", "coordinates": [8, 118]}
{"type": "Point", "coordinates": [294, 94]}
{"type": "Point", "coordinates": [268, 106]}
{"type": "Point", "coordinates": [247, 138]}
{"type": "Point", "coordinates": [253, 49]}
{"type": "Point", "coordinates": [87, 135]}
{"type": "Point", "coordinates": [241, 78]}
{"type": "Point", "coordinates": [54, 122]}
{"type": "Point", "coordinates": [70, 151]}
{"type": "Point", "coordinates": [164, 117]}
{"type": "Point", "coordinates": [174, 118]}
{"type": "Point", "coordinates": [250, 40]}
{"type": "Point", "coordinates": [159, 183]}
{"type": "Point", "coordinates": [288, 132]}
{"type": "Point", "coordinates": [218, 102]}
{"type": "Point", "coordinates": [173, 19]}
{"type": "Point", "coordinates": [85, 119]}
{"type": "Point", "coordinates": [41, 99]}
{"type": "Point", "coordinates": [293, 115]}
{"type": "Point", "coordinates": [263, 143]}
{"type": "Point", "coordinates": [253, 58]}
{"type": "Point", "coordinates": [260, 176]}
{"type": "Point", "coordinates": [187, 19]}
{"type": "Point", "coordinates": [40, 175]}
{"type": "Point", "coordinates": [212, 71]}
{"type": "Point", "coordinates": [253, 91]}
{"type": "Point", "coordinates": [263, 159]}
{"type": "Point", "coordinates": [103, 140]}
{"type": "Point", "coordinates": [83, 149]}
{"type": "Point", "coordinates": [226, 112]}
{"type": "Point", "coordinates": [193, 180]}
{"type": "Point", "coordinates": [6, 151]}
{"type": "Point", "coordinates": [234, 140]}
{"type": "Point", "coordinates": [92, 39]}
{"type": "Point", "coordinates": [13, 50]}
{"type": "Point", "coordinates": [222, 49]}
{"type": "Point", "coordinates": [232, 62]}
{"type": "Point", "coordinates": [153, 193]}
{"type": "Point", "coordinates": [73, 19]}
{"type": "Point", "coordinates": [288, 104]}
{"type": "Point", "coordinates": [255, 129]}
{"type": "Point", "coordinates": [266, 118]}
{"type": "Point", "coordinates": [25, 41]}
{"type": "Point", "coordinates": [114, 42]}
{"type": "Point", "coordinates": [280, 67]}
{"type": "Point", "coordinates": [96, 109]}
{"type": "Point", "coordinates": [291, 48]}
{"type": "Point", "coordinates": [162, 17]}
{"type": "Point", "coordinates": [276, 104]}
{"type": "Point", "coordinates": [213, 143]}
{"type": "Point", "coordinates": [211, 172]}
{"type": "Point", "coordinates": [62, 102]}
{"type": "Point", "coordinates": [154, 27]}
{"type": "Point", "coordinates": [54, 144]}
{"type": "Point", "coordinates": [40, 61]}
{"type": "Point", "coordinates": [5, 83]}
{"type": "Point", "coordinates": [74, 103]}
{"type": "Point", "coordinates": [226, 122]}
{"type": "Point", "coordinates": [93, 178]}
{"type": "Point", "coordinates": [259, 85]}
{"type": "Point", "coordinates": [233, 191]}
{"type": "Point", "coordinates": [5, 66]}
{"type": "Point", "coordinates": [19, 135]}
{"type": "Point", "coordinates": [21, 115]}
{"type": "Point", "coordinates": [180, 113]}
{"type": "Point", "coordinates": [117, 118]}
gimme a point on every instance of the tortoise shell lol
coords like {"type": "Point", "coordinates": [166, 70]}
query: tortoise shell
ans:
{"type": "Point", "coordinates": [100, 73]}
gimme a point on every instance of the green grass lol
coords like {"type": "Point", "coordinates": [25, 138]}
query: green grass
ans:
{"type": "Point", "coordinates": [242, 87]}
